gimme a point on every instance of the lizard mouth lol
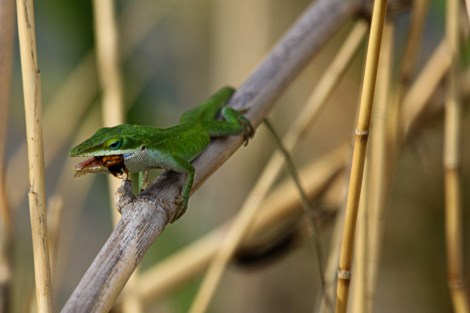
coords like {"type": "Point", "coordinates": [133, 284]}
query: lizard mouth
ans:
{"type": "Point", "coordinates": [113, 164]}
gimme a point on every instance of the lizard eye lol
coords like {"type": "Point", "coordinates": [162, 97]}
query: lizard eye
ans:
{"type": "Point", "coordinates": [113, 144]}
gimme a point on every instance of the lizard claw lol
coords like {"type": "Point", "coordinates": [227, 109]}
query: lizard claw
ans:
{"type": "Point", "coordinates": [182, 206]}
{"type": "Point", "coordinates": [248, 129]}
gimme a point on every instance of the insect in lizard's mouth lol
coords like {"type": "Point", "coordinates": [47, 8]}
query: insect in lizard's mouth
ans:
{"type": "Point", "coordinates": [113, 164]}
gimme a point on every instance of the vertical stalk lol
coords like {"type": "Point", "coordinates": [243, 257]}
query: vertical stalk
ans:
{"type": "Point", "coordinates": [359, 154]}
{"type": "Point", "coordinates": [453, 190]}
{"type": "Point", "coordinates": [112, 106]}
{"type": "Point", "coordinates": [109, 74]}
{"type": "Point", "coordinates": [377, 177]}
{"type": "Point", "coordinates": [37, 188]}
{"type": "Point", "coordinates": [381, 161]}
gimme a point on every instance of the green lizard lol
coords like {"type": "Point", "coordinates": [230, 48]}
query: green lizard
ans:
{"type": "Point", "coordinates": [128, 148]}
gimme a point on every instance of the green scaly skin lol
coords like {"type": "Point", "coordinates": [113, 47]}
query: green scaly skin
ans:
{"type": "Point", "coordinates": [173, 148]}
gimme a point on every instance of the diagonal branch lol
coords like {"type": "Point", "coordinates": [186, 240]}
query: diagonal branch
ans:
{"type": "Point", "coordinates": [145, 218]}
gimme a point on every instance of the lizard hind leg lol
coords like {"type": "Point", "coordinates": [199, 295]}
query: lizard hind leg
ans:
{"type": "Point", "coordinates": [182, 200]}
{"type": "Point", "coordinates": [234, 123]}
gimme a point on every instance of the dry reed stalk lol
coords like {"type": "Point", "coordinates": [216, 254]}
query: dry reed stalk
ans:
{"type": "Point", "coordinates": [361, 253]}
{"type": "Point", "coordinates": [414, 102]}
{"type": "Point", "coordinates": [112, 107]}
{"type": "Point", "coordinates": [359, 154]}
{"type": "Point", "coordinates": [467, 5]}
{"type": "Point", "coordinates": [37, 188]}
{"type": "Point", "coordinates": [282, 204]}
{"type": "Point", "coordinates": [305, 119]}
{"type": "Point", "coordinates": [452, 165]}
{"type": "Point", "coordinates": [378, 177]}
{"type": "Point", "coordinates": [7, 24]}
{"type": "Point", "coordinates": [413, 41]}
{"type": "Point", "coordinates": [406, 71]}
{"type": "Point", "coordinates": [107, 51]}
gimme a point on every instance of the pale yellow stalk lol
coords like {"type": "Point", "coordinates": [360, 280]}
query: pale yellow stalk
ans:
{"type": "Point", "coordinates": [452, 167]}
{"type": "Point", "coordinates": [377, 179]}
{"type": "Point", "coordinates": [359, 154]}
{"type": "Point", "coordinates": [414, 102]}
{"type": "Point", "coordinates": [37, 186]}
{"type": "Point", "coordinates": [413, 41]}
{"type": "Point", "coordinates": [112, 106]}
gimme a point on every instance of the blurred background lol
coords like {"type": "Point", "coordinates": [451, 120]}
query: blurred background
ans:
{"type": "Point", "coordinates": [174, 55]}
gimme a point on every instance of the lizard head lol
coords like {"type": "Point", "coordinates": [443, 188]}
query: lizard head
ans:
{"type": "Point", "coordinates": [108, 141]}
{"type": "Point", "coordinates": [107, 148]}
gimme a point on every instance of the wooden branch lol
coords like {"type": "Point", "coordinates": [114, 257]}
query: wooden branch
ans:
{"type": "Point", "coordinates": [145, 217]}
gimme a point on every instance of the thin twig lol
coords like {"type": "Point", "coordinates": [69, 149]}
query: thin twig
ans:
{"type": "Point", "coordinates": [309, 212]}
{"type": "Point", "coordinates": [154, 208]}
{"type": "Point", "coordinates": [452, 164]}
{"type": "Point", "coordinates": [359, 154]}
{"type": "Point", "coordinates": [37, 185]}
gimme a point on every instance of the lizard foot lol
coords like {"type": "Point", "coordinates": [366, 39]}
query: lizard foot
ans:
{"type": "Point", "coordinates": [248, 129]}
{"type": "Point", "coordinates": [182, 206]}
{"type": "Point", "coordinates": [124, 195]}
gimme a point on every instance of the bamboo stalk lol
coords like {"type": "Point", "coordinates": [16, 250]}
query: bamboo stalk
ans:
{"type": "Point", "coordinates": [108, 62]}
{"type": "Point", "coordinates": [304, 121]}
{"type": "Point", "coordinates": [37, 188]}
{"type": "Point", "coordinates": [7, 24]}
{"type": "Point", "coordinates": [452, 164]}
{"type": "Point", "coordinates": [378, 176]}
{"type": "Point", "coordinates": [112, 108]}
{"type": "Point", "coordinates": [382, 157]}
{"type": "Point", "coordinates": [359, 153]}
